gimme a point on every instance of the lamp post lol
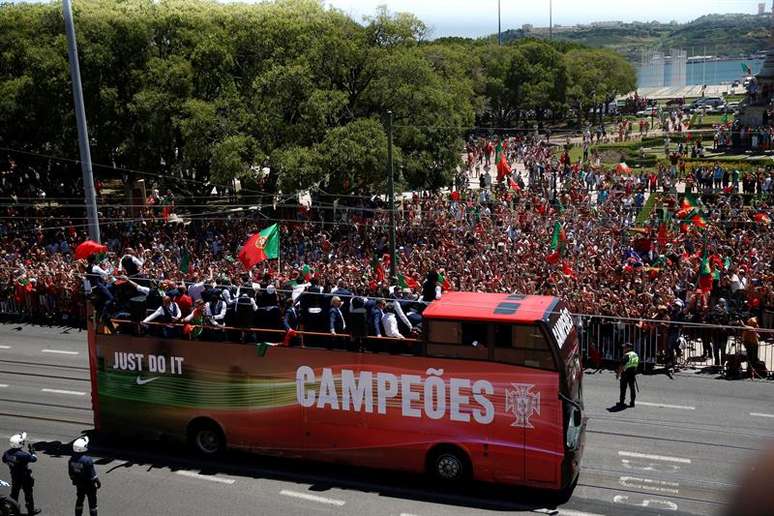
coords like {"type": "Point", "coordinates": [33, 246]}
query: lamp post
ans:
{"type": "Point", "coordinates": [391, 176]}
{"type": "Point", "coordinates": [499, 26]}
{"type": "Point", "coordinates": [80, 119]}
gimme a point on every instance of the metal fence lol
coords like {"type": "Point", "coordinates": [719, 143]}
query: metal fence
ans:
{"type": "Point", "coordinates": [733, 352]}
{"type": "Point", "coordinates": [43, 309]}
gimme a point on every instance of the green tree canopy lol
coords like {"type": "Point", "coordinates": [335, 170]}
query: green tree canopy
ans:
{"type": "Point", "coordinates": [202, 92]}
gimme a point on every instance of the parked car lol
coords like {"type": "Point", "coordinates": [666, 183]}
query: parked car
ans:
{"type": "Point", "coordinates": [722, 108]}
{"type": "Point", "coordinates": [708, 102]}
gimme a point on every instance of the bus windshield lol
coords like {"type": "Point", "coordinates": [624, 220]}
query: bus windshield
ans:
{"type": "Point", "coordinates": [562, 328]}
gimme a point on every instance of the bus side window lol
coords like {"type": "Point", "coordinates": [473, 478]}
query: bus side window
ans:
{"type": "Point", "coordinates": [454, 339]}
{"type": "Point", "coordinates": [522, 345]}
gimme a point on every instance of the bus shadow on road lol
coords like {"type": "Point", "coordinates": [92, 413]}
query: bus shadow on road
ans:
{"type": "Point", "coordinates": [111, 454]}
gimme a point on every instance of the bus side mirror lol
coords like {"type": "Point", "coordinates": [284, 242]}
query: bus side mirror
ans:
{"type": "Point", "coordinates": [576, 418]}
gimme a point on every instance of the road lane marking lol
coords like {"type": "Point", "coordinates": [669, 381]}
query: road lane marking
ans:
{"type": "Point", "coordinates": [211, 478]}
{"type": "Point", "coordinates": [651, 467]}
{"type": "Point", "coordinates": [5, 347]}
{"type": "Point", "coordinates": [569, 512]}
{"type": "Point", "coordinates": [664, 405]}
{"type": "Point", "coordinates": [3, 385]}
{"type": "Point", "coordinates": [312, 498]}
{"type": "Point", "coordinates": [60, 391]}
{"type": "Point", "coordinates": [665, 458]}
{"type": "Point", "coordinates": [666, 504]}
{"type": "Point", "coordinates": [59, 351]}
{"type": "Point", "coordinates": [659, 486]}
{"type": "Point", "coordinates": [761, 414]}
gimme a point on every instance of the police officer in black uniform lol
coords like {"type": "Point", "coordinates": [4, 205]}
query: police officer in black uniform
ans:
{"type": "Point", "coordinates": [18, 460]}
{"type": "Point", "coordinates": [84, 477]}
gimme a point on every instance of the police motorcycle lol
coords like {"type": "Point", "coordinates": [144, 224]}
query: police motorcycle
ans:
{"type": "Point", "coordinates": [7, 506]}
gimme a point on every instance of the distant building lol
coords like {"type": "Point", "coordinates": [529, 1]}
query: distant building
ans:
{"type": "Point", "coordinates": [602, 24]}
{"type": "Point", "coordinates": [527, 27]}
{"type": "Point", "coordinates": [761, 8]}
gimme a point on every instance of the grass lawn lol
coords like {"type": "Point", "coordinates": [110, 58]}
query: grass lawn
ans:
{"type": "Point", "coordinates": [709, 120]}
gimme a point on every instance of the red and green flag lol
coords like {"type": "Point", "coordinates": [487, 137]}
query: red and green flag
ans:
{"type": "Point", "coordinates": [558, 237]}
{"type": "Point", "coordinates": [689, 205]}
{"type": "Point", "coordinates": [407, 282]}
{"type": "Point", "coordinates": [445, 285]}
{"type": "Point", "coordinates": [699, 221]}
{"type": "Point", "coordinates": [260, 246]}
{"type": "Point", "coordinates": [762, 218]}
{"type": "Point", "coordinates": [705, 273]}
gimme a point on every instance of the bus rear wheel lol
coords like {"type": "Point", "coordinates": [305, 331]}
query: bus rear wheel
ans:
{"type": "Point", "coordinates": [449, 465]}
{"type": "Point", "coordinates": [206, 437]}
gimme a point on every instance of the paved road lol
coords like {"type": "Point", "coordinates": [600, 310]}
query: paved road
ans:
{"type": "Point", "coordinates": [678, 452]}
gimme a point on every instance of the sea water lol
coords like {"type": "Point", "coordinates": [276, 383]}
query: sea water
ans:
{"type": "Point", "coordinates": [706, 72]}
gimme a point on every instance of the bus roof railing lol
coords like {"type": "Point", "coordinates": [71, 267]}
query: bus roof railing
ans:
{"type": "Point", "coordinates": [298, 333]}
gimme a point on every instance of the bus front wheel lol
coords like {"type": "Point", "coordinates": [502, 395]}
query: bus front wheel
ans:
{"type": "Point", "coordinates": [449, 464]}
{"type": "Point", "coordinates": [206, 437]}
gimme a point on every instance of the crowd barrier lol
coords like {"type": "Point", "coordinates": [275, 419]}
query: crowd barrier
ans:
{"type": "Point", "coordinates": [682, 346]}
{"type": "Point", "coordinates": [44, 309]}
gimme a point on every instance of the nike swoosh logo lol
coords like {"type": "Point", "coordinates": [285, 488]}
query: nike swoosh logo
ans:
{"type": "Point", "coordinates": [140, 381]}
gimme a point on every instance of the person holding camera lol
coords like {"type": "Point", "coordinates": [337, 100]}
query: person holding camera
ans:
{"type": "Point", "coordinates": [19, 460]}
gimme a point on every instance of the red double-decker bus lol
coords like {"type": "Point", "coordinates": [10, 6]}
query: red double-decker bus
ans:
{"type": "Point", "coordinates": [492, 392]}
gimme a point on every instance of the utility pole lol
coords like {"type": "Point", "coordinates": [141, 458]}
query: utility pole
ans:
{"type": "Point", "coordinates": [391, 175]}
{"type": "Point", "coordinates": [80, 119]}
{"type": "Point", "coordinates": [499, 26]}
{"type": "Point", "coordinates": [550, 19]}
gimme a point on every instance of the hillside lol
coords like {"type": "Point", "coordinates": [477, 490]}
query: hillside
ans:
{"type": "Point", "coordinates": [728, 35]}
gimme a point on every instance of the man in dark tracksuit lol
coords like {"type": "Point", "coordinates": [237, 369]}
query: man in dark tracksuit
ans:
{"type": "Point", "coordinates": [627, 372]}
{"type": "Point", "coordinates": [18, 461]}
{"type": "Point", "coordinates": [84, 477]}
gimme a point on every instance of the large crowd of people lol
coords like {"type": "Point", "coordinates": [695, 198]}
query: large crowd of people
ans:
{"type": "Point", "coordinates": [537, 225]}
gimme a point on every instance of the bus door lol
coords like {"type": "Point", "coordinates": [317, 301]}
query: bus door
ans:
{"type": "Point", "coordinates": [531, 401]}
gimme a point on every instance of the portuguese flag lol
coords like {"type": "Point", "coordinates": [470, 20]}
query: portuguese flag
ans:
{"type": "Point", "coordinates": [699, 221]}
{"type": "Point", "coordinates": [761, 218]}
{"type": "Point", "coordinates": [688, 206]}
{"type": "Point", "coordinates": [705, 273]}
{"type": "Point", "coordinates": [407, 282]}
{"type": "Point", "coordinates": [445, 285]}
{"type": "Point", "coordinates": [558, 237]}
{"type": "Point", "coordinates": [260, 246]}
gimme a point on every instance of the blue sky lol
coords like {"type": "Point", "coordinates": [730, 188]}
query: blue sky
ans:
{"type": "Point", "coordinates": [479, 17]}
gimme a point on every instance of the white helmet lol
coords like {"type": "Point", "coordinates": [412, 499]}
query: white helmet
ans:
{"type": "Point", "coordinates": [81, 444]}
{"type": "Point", "coordinates": [18, 440]}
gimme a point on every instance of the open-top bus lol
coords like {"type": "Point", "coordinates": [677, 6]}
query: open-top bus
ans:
{"type": "Point", "coordinates": [492, 391]}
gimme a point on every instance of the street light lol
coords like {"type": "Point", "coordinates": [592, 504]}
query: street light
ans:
{"type": "Point", "coordinates": [499, 27]}
{"type": "Point", "coordinates": [80, 119]}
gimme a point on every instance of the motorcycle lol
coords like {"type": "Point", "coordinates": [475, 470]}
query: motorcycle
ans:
{"type": "Point", "coordinates": [8, 507]}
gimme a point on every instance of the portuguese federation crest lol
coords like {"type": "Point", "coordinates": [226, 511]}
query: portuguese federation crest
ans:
{"type": "Point", "coordinates": [522, 403]}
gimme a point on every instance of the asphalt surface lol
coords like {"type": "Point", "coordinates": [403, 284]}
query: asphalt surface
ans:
{"type": "Point", "coordinates": [679, 451]}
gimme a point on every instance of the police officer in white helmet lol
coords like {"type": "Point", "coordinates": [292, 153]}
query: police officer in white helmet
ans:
{"type": "Point", "coordinates": [18, 460]}
{"type": "Point", "coordinates": [84, 477]}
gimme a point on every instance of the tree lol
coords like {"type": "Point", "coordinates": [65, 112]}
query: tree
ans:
{"type": "Point", "coordinates": [596, 77]}
{"type": "Point", "coordinates": [354, 157]}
